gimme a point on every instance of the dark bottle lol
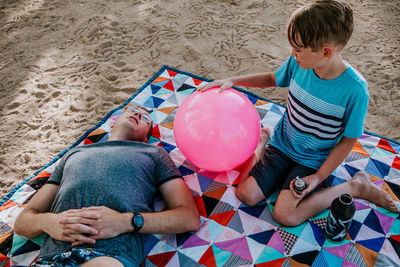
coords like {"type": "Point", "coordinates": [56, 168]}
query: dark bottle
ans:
{"type": "Point", "coordinates": [340, 216]}
{"type": "Point", "coordinates": [299, 185]}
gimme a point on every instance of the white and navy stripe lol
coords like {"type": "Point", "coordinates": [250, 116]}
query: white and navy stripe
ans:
{"type": "Point", "coordinates": [316, 117]}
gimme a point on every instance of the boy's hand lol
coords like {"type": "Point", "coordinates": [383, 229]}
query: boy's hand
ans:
{"type": "Point", "coordinates": [312, 182]}
{"type": "Point", "coordinates": [225, 83]}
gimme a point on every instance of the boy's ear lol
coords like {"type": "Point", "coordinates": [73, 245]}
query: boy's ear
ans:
{"type": "Point", "coordinates": [328, 51]}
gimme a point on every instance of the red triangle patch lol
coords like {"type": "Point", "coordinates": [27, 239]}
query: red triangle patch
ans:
{"type": "Point", "coordinates": [273, 263]}
{"type": "Point", "coordinates": [87, 142]}
{"type": "Point", "coordinates": [200, 206]}
{"type": "Point", "coordinates": [156, 132]}
{"type": "Point", "coordinates": [208, 258]}
{"type": "Point", "coordinates": [7, 205]}
{"type": "Point", "coordinates": [172, 73]}
{"type": "Point", "coordinates": [384, 144]}
{"type": "Point", "coordinates": [197, 82]}
{"type": "Point", "coordinates": [42, 174]}
{"type": "Point", "coordinates": [169, 86]}
{"type": "Point", "coordinates": [161, 259]}
{"type": "Point", "coordinates": [223, 218]}
{"type": "Point", "coordinates": [396, 163]}
{"type": "Point", "coordinates": [395, 237]}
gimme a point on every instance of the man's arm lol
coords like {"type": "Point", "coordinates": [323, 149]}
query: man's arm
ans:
{"type": "Point", "coordinates": [252, 80]}
{"type": "Point", "coordinates": [181, 215]}
{"type": "Point", "coordinates": [36, 219]}
{"type": "Point", "coordinates": [335, 158]}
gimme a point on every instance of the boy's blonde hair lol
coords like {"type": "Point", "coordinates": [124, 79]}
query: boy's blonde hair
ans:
{"type": "Point", "coordinates": [320, 23]}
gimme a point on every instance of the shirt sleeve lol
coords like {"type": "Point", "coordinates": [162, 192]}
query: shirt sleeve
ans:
{"type": "Point", "coordinates": [165, 169]}
{"type": "Point", "coordinates": [283, 74]}
{"type": "Point", "coordinates": [57, 174]}
{"type": "Point", "coordinates": [355, 114]}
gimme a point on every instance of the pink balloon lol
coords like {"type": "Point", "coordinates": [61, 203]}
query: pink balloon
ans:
{"type": "Point", "coordinates": [217, 131]}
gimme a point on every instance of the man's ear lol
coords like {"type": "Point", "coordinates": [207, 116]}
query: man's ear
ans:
{"type": "Point", "coordinates": [328, 52]}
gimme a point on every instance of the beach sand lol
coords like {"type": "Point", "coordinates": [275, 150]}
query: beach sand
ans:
{"type": "Point", "coordinates": [65, 64]}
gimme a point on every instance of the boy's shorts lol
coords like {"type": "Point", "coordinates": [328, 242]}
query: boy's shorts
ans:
{"type": "Point", "coordinates": [275, 171]}
{"type": "Point", "coordinates": [73, 258]}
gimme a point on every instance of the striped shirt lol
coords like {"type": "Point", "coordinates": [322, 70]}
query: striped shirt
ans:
{"type": "Point", "coordinates": [319, 112]}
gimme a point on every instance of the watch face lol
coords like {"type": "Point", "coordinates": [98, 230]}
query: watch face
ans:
{"type": "Point", "coordinates": [138, 220]}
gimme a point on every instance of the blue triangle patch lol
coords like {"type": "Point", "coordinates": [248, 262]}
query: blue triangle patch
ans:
{"type": "Point", "coordinates": [374, 244]}
{"type": "Point", "coordinates": [262, 237]}
{"type": "Point", "coordinates": [351, 170]}
{"type": "Point", "coordinates": [354, 228]}
{"type": "Point", "coordinates": [167, 146]}
{"type": "Point", "coordinates": [155, 88]}
{"type": "Point", "coordinates": [157, 101]}
{"type": "Point", "coordinates": [185, 171]}
{"type": "Point", "coordinates": [372, 221]}
{"type": "Point", "coordinates": [318, 233]}
{"type": "Point", "coordinates": [252, 99]}
{"type": "Point", "coordinates": [276, 109]}
{"type": "Point", "coordinates": [382, 167]}
{"type": "Point", "coordinates": [254, 211]}
{"type": "Point", "coordinates": [204, 182]}
{"type": "Point", "coordinates": [151, 241]}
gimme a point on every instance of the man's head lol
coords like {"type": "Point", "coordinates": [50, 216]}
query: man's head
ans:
{"type": "Point", "coordinates": [322, 23]}
{"type": "Point", "coordinates": [135, 124]}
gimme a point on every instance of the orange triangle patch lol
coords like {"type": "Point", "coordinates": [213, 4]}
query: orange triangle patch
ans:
{"type": "Point", "coordinates": [295, 263]}
{"type": "Point", "coordinates": [167, 110]}
{"type": "Point", "coordinates": [387, 188]}
{"type": "Point", "coordinates": [97, 132]}
{"type": "Point", "coordinates": [359, 149]}
{"type": "Point", "coordinates": [160, 79]}
{"type": "Point", "coordinates": [169, 125]}
{"type": "Point", "coordinates": [7, 205]}
{"type": "Point", "coordinates": [42, 174]}
{"type": "Point", "coordinates": [261, 102]}
{"type": "Point", "coordinates": [368, 255]}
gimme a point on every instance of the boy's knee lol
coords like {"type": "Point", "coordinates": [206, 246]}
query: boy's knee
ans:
{"type": "Point", "coordinates": [285, 217]}
{"type": "Point", "coordinates": [246, 197]}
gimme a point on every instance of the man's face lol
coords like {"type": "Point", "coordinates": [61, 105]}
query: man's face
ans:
{"type": "Point", "coordinates": [133, 124]}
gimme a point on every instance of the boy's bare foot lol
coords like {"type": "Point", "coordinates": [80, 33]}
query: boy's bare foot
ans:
{"type": "Point", "coordinates": [367, 190]}
{"type": "Point", "coordinates": [264, 136]}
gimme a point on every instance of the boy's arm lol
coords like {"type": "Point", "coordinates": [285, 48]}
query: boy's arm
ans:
{"type": "Point", "coordinates": [252, 80]}
{"type": "Point", "coordinates": [335, 158]}
{"type": "Point", "coordinates": [36, 219]}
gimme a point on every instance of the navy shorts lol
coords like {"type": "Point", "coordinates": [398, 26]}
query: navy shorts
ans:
{"type": "Point", "coordinates": [74, 258]}
{"type": "Point", "coordinates": [276, 170]}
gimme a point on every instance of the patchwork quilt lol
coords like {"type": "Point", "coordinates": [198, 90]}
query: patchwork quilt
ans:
{"type": "Point", "coordinates": [231, 233]}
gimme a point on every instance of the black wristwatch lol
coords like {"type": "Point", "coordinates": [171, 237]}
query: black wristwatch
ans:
{"type": "Point", "coordinates": [137, 222]}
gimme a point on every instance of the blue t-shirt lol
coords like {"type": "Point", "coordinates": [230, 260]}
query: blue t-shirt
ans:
{"type": "Point", "coordinates": [319, 112]}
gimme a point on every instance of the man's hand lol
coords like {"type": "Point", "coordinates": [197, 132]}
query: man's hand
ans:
{"type": "Point", "coordinates": [223, 84]}
{"type": "Point", "coordinates": [78, 226]}
{"type": "Point", "coordinates": [312, 182]}
{"type": "Point", "coordinates": [106, 222]}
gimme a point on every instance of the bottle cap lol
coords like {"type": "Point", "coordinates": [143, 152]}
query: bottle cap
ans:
{"type": "Point", "coordinates": [299, 185]}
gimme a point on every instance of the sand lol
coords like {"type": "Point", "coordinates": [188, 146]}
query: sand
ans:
{"type": "Point", "coordinates": [65, 64]}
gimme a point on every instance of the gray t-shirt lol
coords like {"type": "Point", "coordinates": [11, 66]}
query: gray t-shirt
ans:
{"type": "Point", "coordinates": [121, 175]}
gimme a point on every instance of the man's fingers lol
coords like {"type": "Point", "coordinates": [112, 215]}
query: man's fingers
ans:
{"type": "Point", "coordinates": [80, 228]}
{"type": "Point", "coordinates": [72, 220]}
{"type": "Point", "coordinates": [81, 239]}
